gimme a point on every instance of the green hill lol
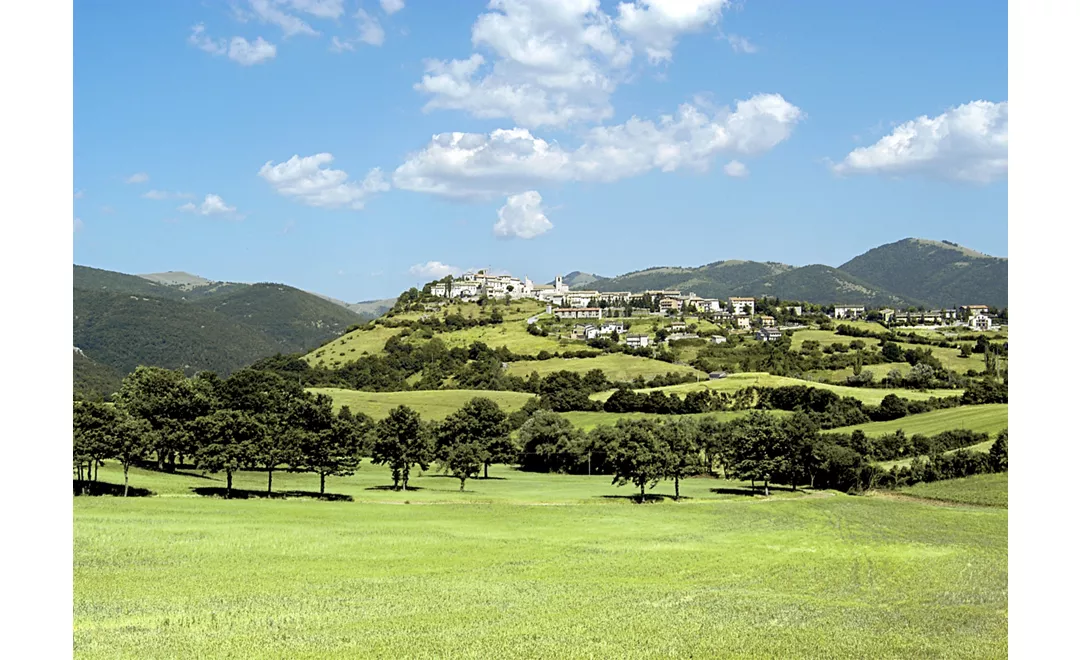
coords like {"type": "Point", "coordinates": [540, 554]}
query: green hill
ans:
{"type": "Point", "coordinates": [822, 285]}
{"type": "Point", "coordinates": [177, 320]}
{"type": "Point", "coordinates": [715, 280]}
{"type": "Point", "coordinates": [578, 279]}
{"type": "Point", "coordinates": [942, 274]}
{"type": "Point", "coordinates": [92, 380]}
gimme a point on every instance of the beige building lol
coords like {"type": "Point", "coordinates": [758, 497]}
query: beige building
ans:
{"type": "Point", "coordinates": [741, 305]}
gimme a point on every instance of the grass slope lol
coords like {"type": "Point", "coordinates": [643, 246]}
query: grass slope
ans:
{"type": "Point", "coordinates": [348, 347]}
{"type": "Point", "coordinates": [941, 274]}
{"type": "Point", "coordinates": [715, 280]}
{"type": "Point", "coordinates": [487, 575]}
{"type": "Point", "coordinates": [982, 489]}
{"type": "Point", "coordinates": [616, 366]}
{"type": "Point", "coordinates": [989, 418]}
{"type": "Point", "coordinates": [823, 285]}
{"type": "Point", "coordinates": [590, 420]}
{"type": "Point", "coordinates": [433, 404]}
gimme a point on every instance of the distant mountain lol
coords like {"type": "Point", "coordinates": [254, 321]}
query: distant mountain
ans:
{"type": "Point", "coordinates": [938, 272]}
{"type": "Point", "coordinates": [716, 280]}
{"type": "Point", "coordinates": [372, 308]}
{"type": "Point", "coordinates": [911, 272]}
{"type": "Point", "coordinates": [823, 285]}
{"type": "Point", "coordinates": [92, 380]}
{"type": "Point", "coordinates": [177, 320]}
{"type": "Point", "coordinates": [578, 279]}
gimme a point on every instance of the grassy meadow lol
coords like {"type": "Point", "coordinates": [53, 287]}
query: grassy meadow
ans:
{"type": "Point", "coordinates": [351, 346]}
{"type": "Point", "coordinates": [986, 418]}
{"type": "Point", "coordinates": [980, 489]}
{"type": "Point", "coordinates": [532, 566]}
{"type": "Point", "coordinates": [430, 404]}
{"type": "Point", "coordinates": [588, 420]}
{"type": "Point", "coordinates": [616, 366]}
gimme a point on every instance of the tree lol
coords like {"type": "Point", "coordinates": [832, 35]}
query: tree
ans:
{"type": "Point", "coordinates": [92, 426]}
{"type": "Point", "coordinates": [401, 441]}
{"type": "Point", "coordinates": [228, 441]}
{"type": "Point", "coordinates": [480, 422]}
{"type": "Point", "coordinates": [683, 439]}
{"type": "Point", "coordinates": [548, 441]}
{"type": "Point", "coordinates": [334, 450]}
{"type": "Point", "coordinates": [758, 448]}
{"type": "Point", "coordinates": [999, 452]}
{"type": "Point", "coordinates": [460, 455]}
{"type": "Point", "coordinates": [800, 434]}
{"type": "Point", "coordinates": [132, 440]}
{"type": "Point", "coordinates": [168, 401]}
{"type": "Point", "coordinates": [640, 457]}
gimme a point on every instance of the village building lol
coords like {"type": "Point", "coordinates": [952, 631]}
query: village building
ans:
{"type": "Point", "coordinates": [980, 322]}
{"type": "Point", "coordinates": [608, 328]}
{"type": "Point", "coordinates": [973, 310]}
{"type": "Point", "coordinates": [615, 297]}
{"type": "Point", "coordinates": [578, 313]}
{"type": "Point", "coordinates": [741, 305]}
{"type": "Point", "coordinates": [742, 321]}
{"type": "Point", "coordinates": [637, 341]}
{"type": "Point", "coordinates": [767, 321]}
{"type": "Point", "coordinates": [670, 304]}
{"type": "Point", "coordinates": [677, 327]}
{"type": "Point", "coordinates": [676, 336]}
{"type": "Point", "coordinates": [768, 334]}
{"type": "Point", "coordinates": [580, 298]}
{"type": "Point", "coordinates": [662, 293]}
{"type": "Point", "coordinates": [718, 339]}
{"type": "Point", "coordinates": [794, 310]}
{"type": "Point", "coordinates": [848, 311]}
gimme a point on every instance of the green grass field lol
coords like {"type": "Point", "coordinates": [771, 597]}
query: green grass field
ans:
{"type": "Point", "coordinates": [532, 566]}
{"type": "Point", "coordinates": [737, 381]}
{"type": "Point", "coordinates": [987, 418]}
{"type": "Point", "coordinates": [431, 404]}
{"type": "Point", "coordinates": [590, 420]}
{"type": "Point", "coordinates": [982, 489]}
{"type": "Point", "coordinates": [825, 338]}
{"type": "Point", "coordinates": [351, 346]}
{"type": "Point", "coordinates": [950, 358]}
{"type": "Point", "coordinates": [879, 371]}
{"type": "Point", "coordinates": [514, 336]}
{"type": "Point", "coordinates": [616, 366]}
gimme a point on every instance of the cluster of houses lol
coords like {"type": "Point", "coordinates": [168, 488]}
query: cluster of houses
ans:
{"type": "Point", "coordinates": [975, 317]}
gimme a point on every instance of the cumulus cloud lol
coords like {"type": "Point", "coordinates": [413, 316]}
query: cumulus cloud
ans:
{"type": "Point", "coordinates": [392, 6]}
{"type": "Point", "coordinates": [522, 217]}
{"type": "Point", "coordinates": [484, 166]}
{"type": "Point", "coordinates": [736, 169]}
{"type": "Point", "coordinates": [740, 44]}
{"type": "Point", "coordinates": [270, 11]}
{"type": "Point", "coordinates": [434, 270]}
{"type": "Point", "coordinates": [238, 49]}
{"type": "Point", "coordinates": [138, 177]}
{"type": "Point", "coordinates": [371, 31]}
{"type": "Point", "coordinates": [967, 143]}
{"type": "Point", "coordinates": [657, 24]}
{"type": "Point", "coordinates": [211, 205]}
{"type": "Point", "coordinates": [309, 182]}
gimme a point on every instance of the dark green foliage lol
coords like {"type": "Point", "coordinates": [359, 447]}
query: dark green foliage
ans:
{"type": "Point", "coordinates": [402, 441]}
{"type": "Point", "coordinates": [549, 443]}
{"type": "Point", "coordinates": [93, 381]}
{"type": "Point", "coordinates": [639, 456]}
{"type": "Point", "coordinates": [228, 441]}
{"type": "Point", "coordinates": [479, 430]}
{"type": "Point", "coordinates": [939, 274]}
{"type": "Point", "coordinates": [682, 438]}
{"type": "Point", "coordinates": [759, 449]}
{"type": "Point", "coordinates": [999, 452]}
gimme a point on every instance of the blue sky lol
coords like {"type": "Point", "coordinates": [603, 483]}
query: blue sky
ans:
{"type": "Point", "coordinates": [793, 134]}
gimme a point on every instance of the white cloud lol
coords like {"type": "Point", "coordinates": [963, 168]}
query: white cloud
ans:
{"type": "Point", "coordinates": [371, 32]}
{"type": "Point", "coordinates": [320, 8]}
{"type": "Point", "coordinates": [736, 169]}
{"type": "Point", "coordinates": [657, 24]}
{"type": "Point", "coordinates": [740, 44]}
{"type": "Point", "coordinates": [483, 166]}
{"type": "Point", "coordinates": [434, 270]}
{"type": "Point", "coordinates": [76, 225]}
{"type": "Point", "coordinates": [268, 11]}
{"type": "Point", "coordinates": [522, 217]}
{"type": "Point", "coordinates": [967, 143]}
{"type": "Point", "coordinates": [306, 180]}
{"type": "Point", "coordinates": [164, 194]}
{"type": "Point", "coordinates": [248, 53]}
{"type": "Point", "coordinates": [138, 177]}
{"type": "Point", "coordinates": [211, 205]}
{"type": "Point", "coordinates": [392, 6]}
{"type": "Point", "coordinates": [339, 46]}
{"type": "Point", "coordinates": [199, 39]}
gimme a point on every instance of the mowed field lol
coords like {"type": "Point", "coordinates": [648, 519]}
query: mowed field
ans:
{"type": "Point", "coordinates": [532, 566]}
{"type": "Point", "coordinates": [616, 366]}
{"type": "Point", "coordinates": [980, 489]}
{"type": "Point", "coordinates": [986, 418]}
{"type": "Point", "coordinates": [351, 346]}
{"type": "Point", "coordinates": [588, 420]}
{"type": "Point", "coordinates": [431, 404]}
{"type": "Point", "coordinates": [738, 381]}
{"type": "Point", "coordinates": [514, 336]}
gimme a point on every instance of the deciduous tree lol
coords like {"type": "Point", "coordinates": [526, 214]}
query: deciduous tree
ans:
{"type": "Point", "coordinates": [402, 441]}
{"type": "Point", "coordinates": [640, 457]}
{"type": "Point", "coordinates": [228, 441]}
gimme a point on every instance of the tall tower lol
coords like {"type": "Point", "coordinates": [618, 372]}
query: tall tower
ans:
{"type": "Point", "coordinates": [558, 284]}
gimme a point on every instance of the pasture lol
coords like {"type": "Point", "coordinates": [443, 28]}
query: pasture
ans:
{"type": "Point", "coordinates": [532, 566]}
{"type": "Point", "coordinates": [588, 420]}
{"type": "Point", "coordinates": [980, 489]}
{"type": "Point", "coordinates": [351, 346]}
{"type": "Point", "coordinates": [430, 404]}
{"type": "Point", "coordinates": [514, 336]}
{"type": "Point", "coordinates": [986, 418]}
{"type": "Point", "coordinates": [616, 366]}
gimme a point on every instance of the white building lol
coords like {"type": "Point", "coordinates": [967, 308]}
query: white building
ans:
{"type": "Point", "coordinates": [579, 298]}
{"type": "Point", "coordinates": [578, 313]}
{"type": "Point", "coordinates": [742, 321]}
{"type": "Point", "coordinates": [767, 321]}
{"type": "Point", "coordinates": [718, 339]}
{"type": "Point", "coordinates": [608, 328]}
{"type": "Point", "coordinates": [848, 311]}
{"type": "Point", "coordinates": [637, 341]}
{"type": "Point", "coordinates": [768, 334]}
{"type": "Point", "coordinates": [980, 322]}
{"type": "Point", "coordinates": [741, 306]}
{"type": "Point", "coordinates": [615, 297]}
{"type": "Point", "coordinates": [795, 310]}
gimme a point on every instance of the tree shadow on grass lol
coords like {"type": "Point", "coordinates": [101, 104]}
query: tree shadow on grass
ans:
{"type": "Point", "coordinates": [748, 492]}
{"type": "Point", "coordinates": [650, 498]}
{"type": "Point", "coordinates": [96, 488]}
{"type": "Point", "coordinates": [390, 487]}
{"type": "Point", "coordinates": [242, 494]}
{"type": "Point", "coordinates": [450, 476]}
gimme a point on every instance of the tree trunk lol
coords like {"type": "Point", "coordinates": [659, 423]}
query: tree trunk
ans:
{"type": "Point", "coordinates": [322, 483]}
{"type": "Point", "coordinates": [160, 461]}
{"type": "Point", "coordinates": [642, 497]}
{"type": "Point", "coordinates": [676, 486]}
{"type": "Point", "coordinates": [462, 489]}
{"type": "Point", "coordinates": [269, 481]}
{"type": "Point", "coordinates": [125, 479]}
{"type": "Point", "coordinates": [486, 463]}
{"type": "Point", "coordinates": [405, 479]}
{"type": "Point", "coordinates": [766, 489]}
{"type": "Point", "coordinates": [95, 470]}
{"type": "Point", "coordinates": [228, 484]}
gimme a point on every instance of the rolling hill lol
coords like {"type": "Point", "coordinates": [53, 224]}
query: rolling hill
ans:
{"type": "Point", "coordinates": [181, 321]}
{"type": "Point", "coordinates": [911, 272]}
{"type": "Point", "coordinates": [942, 274]}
